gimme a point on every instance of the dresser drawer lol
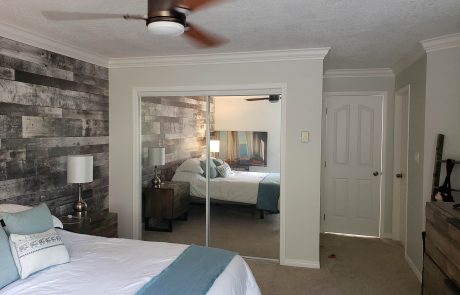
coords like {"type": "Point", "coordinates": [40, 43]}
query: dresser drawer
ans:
{"type": "Point", "coordinates": [434, 280]}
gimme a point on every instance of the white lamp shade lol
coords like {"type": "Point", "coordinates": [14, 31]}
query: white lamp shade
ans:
{"type": "Point", "coordinates": [214, 146]}
{"type": "Point", "coordinates": [157, 156]}
{"type": "Point", "coordinates": [80, 169]}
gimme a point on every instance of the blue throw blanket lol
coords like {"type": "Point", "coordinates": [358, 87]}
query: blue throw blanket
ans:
{"type": "Point", "coordinates": [269, 193]}
{"type": "Point", "coordinates": [192, 273]}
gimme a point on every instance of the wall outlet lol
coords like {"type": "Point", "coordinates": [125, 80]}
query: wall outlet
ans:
{"type": "Point", "coordinates": [304, 136]}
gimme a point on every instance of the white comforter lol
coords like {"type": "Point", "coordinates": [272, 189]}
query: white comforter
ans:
{"type": "Point", "coordinates": [119, 266]}
{"type": "Point", "coordinates": [240, 186]}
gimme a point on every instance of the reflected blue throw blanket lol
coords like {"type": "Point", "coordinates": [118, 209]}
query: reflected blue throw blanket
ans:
{"type": "Point", "coordinates": [269, 193]}
{"type": "Point", "coordinates": [192, 273]}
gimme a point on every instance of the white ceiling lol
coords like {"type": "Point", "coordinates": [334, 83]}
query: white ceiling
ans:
{"type": "Point", "coordinates": [362, 33]}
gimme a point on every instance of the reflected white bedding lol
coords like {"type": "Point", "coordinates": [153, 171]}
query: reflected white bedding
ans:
{"type": "Point", "coordinates": [120, 266]}
{"type": "Point", "coordinates": [240, 186]}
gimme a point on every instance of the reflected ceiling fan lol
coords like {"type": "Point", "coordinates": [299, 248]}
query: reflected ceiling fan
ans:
{"type": "Point", "coordinates": [164, 17]}
{"type": "Point", "coordinates": [271, 98]}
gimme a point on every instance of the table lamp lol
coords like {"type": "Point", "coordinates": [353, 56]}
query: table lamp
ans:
{"type": "Point", "coordinates": [80, 170]}
{"type": "Point", "coordinates": [156, 158]}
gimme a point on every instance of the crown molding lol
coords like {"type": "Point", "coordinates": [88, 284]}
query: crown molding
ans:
{"type": "Point", "coordinates": [408, 59]}
{"type": "Point", "coordinates": [220, 58]}
{"type": "Point", "coordinates": [441, 42]}
{"type": "Point", "coordinates": [359, 73]}
{"type": "Point", "coordinates": [41, 41]}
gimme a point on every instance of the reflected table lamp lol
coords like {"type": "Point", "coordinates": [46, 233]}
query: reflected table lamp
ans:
{"type": "Point", "coordinates": [156, 158]}
{"type": "Point", "coordinates": [214, 146]}
{"type": "Point", "coordinates": [80, 170]}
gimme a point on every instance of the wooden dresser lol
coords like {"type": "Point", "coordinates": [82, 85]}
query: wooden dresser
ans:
{"type": "Point", "coordinates": [441, 264]}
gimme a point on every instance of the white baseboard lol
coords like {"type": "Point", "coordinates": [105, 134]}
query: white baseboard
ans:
{"type": "Point", "coordinates": [301, 263]}
{"type": "Point", "coordinates": [387, 236]}
{"type": "Point", "coordinates": [417, 272]}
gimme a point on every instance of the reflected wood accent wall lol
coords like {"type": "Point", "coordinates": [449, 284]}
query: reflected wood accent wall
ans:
{"type": "Point", "coordinates": [178, 124]}
{"type": "Point", "coordinates": [51, 106]}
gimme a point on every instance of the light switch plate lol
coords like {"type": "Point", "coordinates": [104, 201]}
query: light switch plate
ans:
{"type": "Point", "coordinates": [304, 136]}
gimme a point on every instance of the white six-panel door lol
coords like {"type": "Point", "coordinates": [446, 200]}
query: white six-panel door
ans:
{"type": "Point", "coordinates": [353, 164]}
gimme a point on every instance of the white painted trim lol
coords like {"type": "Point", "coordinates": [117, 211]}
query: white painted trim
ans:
{"type": "Point", "coordinates": [301, 263]}
{"type": "Point", "coordinates": [412, 266]}
{"type": "Point", "coordinates": [396, 222]}
{"type": "Point", "coordinates": [384, 155]}
{"type": "Point", "coordinates": [220, 58]}
{"type": "Point", "coordinates": [359, 73]}
{"type": "Point", "coordinates": [213, 90]}
{"type": "Point", "coordinates": [441, 42]}
{"type": "Point", "coordinates": [408, 59]}
{"type": "Point", "coordinates": [387, 236]}
{"type": "Point", "coordinates": [44, 42]}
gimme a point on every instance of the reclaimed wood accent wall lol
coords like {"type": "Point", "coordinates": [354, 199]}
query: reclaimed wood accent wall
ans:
{"type": "Point", "coordinates": [178, 124]}
{"type": "Point", "coordinates": [51, 106]}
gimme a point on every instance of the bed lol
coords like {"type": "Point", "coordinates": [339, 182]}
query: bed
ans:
{"type": "Point", "coordinates": [254, 188]}
{"type": "Point", "coordinates": [120, 266]}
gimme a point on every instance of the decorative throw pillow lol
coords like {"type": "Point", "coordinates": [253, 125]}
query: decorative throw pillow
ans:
{"type": "Point", "coordinates": [224, 170]}
{"type": "Point", "coordinates": [218, 162]}
{"type": "Point", "coordinates": [8, 270]}
{"type": "Point", "coordinates": [35, 252]}
{"type": "Point", "coordinates": [35, 220]}
{"type": "Point", "coordinates": [14, 208]}
{"type": "Point", "coordinates": [191, 165]}
{"type": "Point", "coordinates": [212, 169]}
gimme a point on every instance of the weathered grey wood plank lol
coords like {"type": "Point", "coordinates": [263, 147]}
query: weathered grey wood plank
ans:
{"type": "Point", "coordinates": [30, 67]}
{"type": "Point", "coordinates": [38, 95]}
{"type": "Point", "coordinates": [6, 73]}
{"type": "Point", "coordinates": [33, 54]}
{"type": "Point", "coordinates": [13, 109]}
{"type": "Point", "coordinates": [50, 127]}
{"type": "Point", "coordinates": [85, 115]}
{"type": "Point", "coordinates": [10, 127]}
{"type": "Point", "coordinates": [95, 128]}
{"type": "Point", "coordinates": [37, 143]}
{"type": "Point", "coordinates": [37, 79]}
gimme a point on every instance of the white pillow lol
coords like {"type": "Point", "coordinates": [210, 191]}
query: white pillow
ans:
{"type": "Point", "coordinates": [14, 208]}
{"type": "Point", "coordinates": [35, 252]}
{"type": "Point", "coordinates": [191, 165]}
{"type": "Point", "coordinates": [224, 170]}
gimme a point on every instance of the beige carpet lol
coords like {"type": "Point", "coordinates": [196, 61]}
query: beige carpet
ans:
{"type": "Point", "coordinates": [233, 227]}
{"type": "Point", "coordinates": [361, 266]}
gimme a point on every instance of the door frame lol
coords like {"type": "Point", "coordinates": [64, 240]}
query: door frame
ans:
{"type": "Point", "coordinates": [400, 94]}
{"type": "Point", "coordinates": [204, 90]}
{"type": "Point", "coordinates": [383, 156]}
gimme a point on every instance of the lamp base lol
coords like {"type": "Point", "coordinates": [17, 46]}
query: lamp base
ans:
{"type": "Point", "coordinates": [80, 206]}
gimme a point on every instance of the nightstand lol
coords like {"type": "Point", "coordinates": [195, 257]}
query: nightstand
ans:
{"type": "Point", "coordinates": [169, 202]}
{"type": "Point", "coordinates": [104, 224]}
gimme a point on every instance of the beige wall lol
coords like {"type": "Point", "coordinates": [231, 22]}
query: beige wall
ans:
{"type": "Point", "coordinates": [442, 113]}
{"type": "Point", "coordinates": [354, 84]}
{"type": "Point", "coordinates": [303, 79]}
{"type": "Point", "coordinates": [415, 76]}
{"type": "Point", "coordinates": [237, 114]}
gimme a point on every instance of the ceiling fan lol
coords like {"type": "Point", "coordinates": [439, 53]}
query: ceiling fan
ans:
{"type": "Point", "coordinates": [164, 17]}
{"type": "Point", "coordinates": [271, 98]}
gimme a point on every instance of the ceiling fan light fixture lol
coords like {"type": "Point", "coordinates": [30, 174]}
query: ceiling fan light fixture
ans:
{"type": "Point", "coordinates": [166, 28]}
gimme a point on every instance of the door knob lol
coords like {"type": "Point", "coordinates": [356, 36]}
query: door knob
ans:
{"type": "Point", "coordinates": [399, 175]}
{"type": "Point", "coordinates": [375, 173]}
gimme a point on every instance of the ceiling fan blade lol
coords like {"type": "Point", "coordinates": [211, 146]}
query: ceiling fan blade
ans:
{"type": "Point", "coordinates": [69, 16]}
{"type": "Point", "coordinates": [256, 99]}
{"type": "Point", "coordinates": [196, 4]}
{"type": "Point", "coordinates": [203, 38]}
